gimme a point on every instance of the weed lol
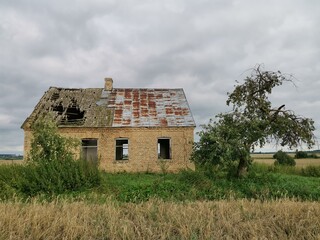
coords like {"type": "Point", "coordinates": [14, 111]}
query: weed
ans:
{"type": "Point", "coordinates": [283, 158]}
{"type": "Point", "coordinates": [311, 171]}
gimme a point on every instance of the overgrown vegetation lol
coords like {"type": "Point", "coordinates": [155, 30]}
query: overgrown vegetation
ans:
{"type": "Point", "coordinates": [312, 171]}
{"type": "Point", "coordinates": [263, 182]}
{"type": "Point", "coordinates": [283, 158]}
{"type": "Point", "coordinates": [166, 206]}
{"type": "Point", "coordinates": [51, 168]}
{"type": "Point", "coordinates": [302, 154]}
{"type": "Point", "coordinates": [252, 122]}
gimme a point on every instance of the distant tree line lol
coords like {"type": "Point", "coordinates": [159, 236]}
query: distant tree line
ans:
{"type": "Point", "coordinates": [11, 157]}
{"type": "Point", "coordinates": [303, 154]}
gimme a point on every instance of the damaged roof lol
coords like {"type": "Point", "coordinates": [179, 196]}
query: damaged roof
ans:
{"type": "Point", "coordinates": [118, 107]}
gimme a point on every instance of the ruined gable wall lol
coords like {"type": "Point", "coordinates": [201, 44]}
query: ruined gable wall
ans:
{"type": "Point", "coordinates": [143, 154]}
{"type": "Point", "coordinates": [27, 143]}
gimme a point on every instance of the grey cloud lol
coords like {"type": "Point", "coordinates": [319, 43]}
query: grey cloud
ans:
{"type": "Point", "coordinates": [202, 46]}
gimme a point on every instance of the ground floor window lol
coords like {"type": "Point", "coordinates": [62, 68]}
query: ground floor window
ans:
{"type": "Point", "coordinates": [122, 149]}
{"type": "Point", "coordinates": [89, 149]}
{"type": "Point", "coordinates": [164, 151]}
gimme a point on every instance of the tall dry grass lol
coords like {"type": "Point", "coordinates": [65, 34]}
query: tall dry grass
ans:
{"type": "Point", "coordinates": [241, 219]}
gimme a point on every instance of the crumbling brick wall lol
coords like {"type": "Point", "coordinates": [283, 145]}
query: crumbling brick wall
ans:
{"type": "Point", "coordinates": [143, 147]}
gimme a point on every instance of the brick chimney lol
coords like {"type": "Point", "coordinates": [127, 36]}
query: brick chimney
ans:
{"type": "Point", "coordinates": [108, 84]}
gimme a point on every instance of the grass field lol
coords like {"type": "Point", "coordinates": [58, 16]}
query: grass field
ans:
{"type": "Point", "coordinates": [11, 161]}
{"type": "Point", "coordinates": [303, 162]}
{"type": "Point", "coordinates": [155, 219]}
{"type": "Point", "coordinates": [259, 158]}
{"type": "Point", "coordinates": [267, 204]}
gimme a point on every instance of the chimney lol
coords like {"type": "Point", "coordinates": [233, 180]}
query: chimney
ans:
{"type": "Point", "coordinates": [108, 84]}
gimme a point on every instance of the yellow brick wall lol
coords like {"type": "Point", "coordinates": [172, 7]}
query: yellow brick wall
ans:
{"type": "Point", "coordinates": [143, 154]}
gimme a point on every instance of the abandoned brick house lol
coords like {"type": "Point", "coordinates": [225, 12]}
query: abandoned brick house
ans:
{"type": "Point", "coordinates": [126, 129]}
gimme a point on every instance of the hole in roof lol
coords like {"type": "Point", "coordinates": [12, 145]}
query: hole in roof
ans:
{"type": "Point", "coordinates": [54, 96]}
{"type": "Point", "coordinates": [59, 109]}
{"type": "Point", "coordinates": [71, 115]}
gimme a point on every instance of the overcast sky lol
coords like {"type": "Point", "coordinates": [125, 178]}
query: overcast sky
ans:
{"type": "Point", "coordinates": [202, 46]}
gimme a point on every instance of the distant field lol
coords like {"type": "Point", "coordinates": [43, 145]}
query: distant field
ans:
{"type": "Point", "coordinates": [302, 162]}
{"type": "Point", "coordinates": [11, 161]}
{"type": "Point", "coordinates": [258, 158]}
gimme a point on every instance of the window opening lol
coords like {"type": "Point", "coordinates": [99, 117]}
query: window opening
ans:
{"type": "Point", "coordinates": [122, 149]}
{"type": "Point", "coordinates": [89, 150]}
{"type": "Point", "coordinates": [164, 148]}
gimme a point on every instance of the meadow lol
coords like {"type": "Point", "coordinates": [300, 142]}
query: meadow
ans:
{"type": "Point", "coordinates": [158, 219]}
{"type": "Point", "coordinates": [270, 203]}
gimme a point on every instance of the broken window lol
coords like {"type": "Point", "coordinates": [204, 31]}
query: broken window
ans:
{"type": "Point", "coordinates": [89, 150]}
{"type": "Point", "coordinates": [164, 148]}
{"type": "Point", "coordinates": [122, 149]}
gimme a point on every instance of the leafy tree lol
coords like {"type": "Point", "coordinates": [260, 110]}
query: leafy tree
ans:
{"type": "Point", "coordinates": [301, 154]}
{"type": "Point", "coordinates": [252, 122]}
{"type": "Point", "coordinates": [51, 166]}
{"type": "Point", "coordinates": [48, 145]}
{"type": "Point", "coordinates": [283, 158]}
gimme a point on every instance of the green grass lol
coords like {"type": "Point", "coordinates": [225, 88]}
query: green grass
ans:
{"type": "Point", "coordinates": [190, 186]}
{"type": "Point", "coordinates": [263, 183]}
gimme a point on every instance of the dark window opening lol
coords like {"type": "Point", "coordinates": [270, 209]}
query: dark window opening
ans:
{"type": "Point", "coordinates": [164, 148]}
{"type": "Point", "coordinates": [89, 150]}
{"type": "Point", "coordinates": [122, 149]}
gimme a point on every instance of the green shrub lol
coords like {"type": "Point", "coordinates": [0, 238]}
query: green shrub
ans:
{"type": "Point", "coordinates": [311, 171]}
{"type": "Point", "coordinates": [313, 155]}
{"type": "Point", "coordinates": [8, 179]}
{"type": "Point", "coordinates": [195, 178]}
{"type": "Point", "coordinates": [283, 158]}
{"type": "Point", "coordinates": [301, 154]}
{"type": "Point", "coordinates": [51, 167]}
{"type": "Point", "coordinates": [58, 177]}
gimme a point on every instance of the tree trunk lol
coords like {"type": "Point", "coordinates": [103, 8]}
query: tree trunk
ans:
{"type": "Point", "coordinates": [242, 167]}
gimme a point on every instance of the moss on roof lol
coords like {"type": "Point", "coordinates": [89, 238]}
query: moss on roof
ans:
{"type": "Point", "coordinates": [72, 107]}
{"type": "Point", "coordinates": [120, 107]}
